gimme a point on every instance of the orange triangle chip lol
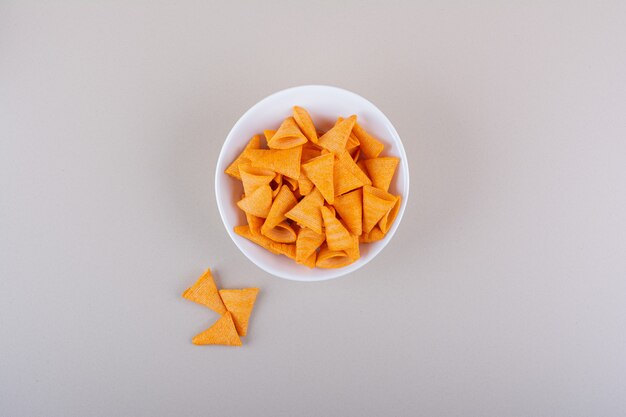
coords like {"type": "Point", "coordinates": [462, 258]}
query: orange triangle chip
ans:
{"type": "Point", "coordinates": [293, 184]}
{"type": "Point", "coordinates": [205, 292]}
{"type": "Point", "coordinates": [283, 161]}
{"type": "Point", "coordinates": [239, 304]}
{"type": "Point", "coordinates": [282, 233]}
{"type": "Point", "coordinates": [337, 236]}
{"type": "Point", "coordinates": [361, 165]}
{"type": "Point", "coordinates": [289, 251]}
{"type": "Point", "coordinates": [376, 203]}
{"type": "Point", "coordinates": [320, 171]}
{"type": "Point", "coordinates": [327, 258]}
{"type": "Point", "coordinates": [307, 243]}
{"type": "Point", "coordinates": [268, 135]}
{"type": "Point", "coordinates": [310, 261]}
{"type": "Point", "coordinates": [381, 171]}
{"type": "Point", "coordinates": [310, 151]}
{"type": "Point", "coordinates": [223, 332]}
{"type": "Point", "coordinates": [307, 212]}
{"type": "Point", "coordinates": [267, 243]}
{"type": "Point", "coordinates": [233, 169]}
{"type": "Point", "coordinates": [353, 251]}
{"type": "Point", "coordinates": [370, 146]}
{"type": "Point", "coordinates": [252, 178]}
{"type": "Point", "coordinates": [355, 154]}
{"type": "Point", "coordinates": [350, 208]}
{"type": "Point", "coordinates": [344, 181]}
{"type": "Point", "coordinates": [304, 184]}
{"type": "Point", "coordinates": [375, 235]}
{"type": "Point", "coordinates": [287, 136]}
{"type": "Point", "coordinates": [283, 202]}
{"type": "Point", "coordinates": [276, 184]}
{"type": "Point", "coordinates": [255, 223]}
{"type": "Point", "coordinates": [352, 142]}
{"type": "Point", "coordinates": [347, 176]}
{"type": "Point", "coordinates": [258, 203]}
{"type": "Point", "coordinates": [387, 220]}
{"type": "Point", "coordinates": [348, 163]}
{"type": "Point", "coordinates": [336, 138]}
{"type": "Point", "coordinates": [305, 123]}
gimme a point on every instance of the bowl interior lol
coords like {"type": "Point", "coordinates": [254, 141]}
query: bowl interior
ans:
{"type": "Point", "coordinates": [324, 104]}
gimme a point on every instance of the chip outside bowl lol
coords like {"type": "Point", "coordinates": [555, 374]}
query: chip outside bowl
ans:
{"type": "Point", "coordinates": [325, 104]}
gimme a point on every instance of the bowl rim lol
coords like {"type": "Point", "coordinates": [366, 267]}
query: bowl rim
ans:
{"type": "Point", "coordinates": [332, 273]}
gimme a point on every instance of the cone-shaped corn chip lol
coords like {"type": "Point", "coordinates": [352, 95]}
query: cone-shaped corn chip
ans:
{"type": "Point", "coordinates": [310, 151]}
{"type": "Point", "coordinates": [223, 332]}
{"type": "Point", "coordinates": [255, 223]}
{"type": "Point", "coordinates": [387, 220]}
{"type": "Point", "coordinates": [353, 251]}
{"type": "Point", "coordinates": [233, 169]}
{"type": "Point", "coordinates": [352, 142]}
{"type": "Point", "coordinates": [327, 258]}
{"type": "Point", "coordinates": [252, 178]}
{"type": "Point", "coordinates": [355, 154]}
{"type": "Point", "coordinates": [239, 304]}
{"type": "Point", "coordinates": [205, 292]}
{"type": "Point", "coordinates": [361, 165]}
{"type": "Point", "coordinates": [350, 208]}
{"type": "Point", "coordinates": [344, 181]}
{"type": "Point", "coordinates": [336, 138]}
{"type": "Point", "coordinates": [288, 250]}
{"type": "Point", "coordinates": [381, 170]}
{"type": "Point", "coordinates": [258, 203]}
{"type": "Point", "coordinates": [248, 168]}
{"type": "Point", "coordinates": [370, 146]}
{"type": "Point", "coordinates": [310, 261]}
{"type": "Point", "coordinates": [287, 136]}
{"type": "Point", "coordinates": [307, 243]}
{"type": "Point", "coordinates": [282, 161]}
{"type": "Point", "coordinates": [337, 236]}
{"type": "Point", "coordinates": [281, 233]}
{"type": "Point", "coordinates": [283, 202]}
{"type": "Point", "coordinates": [305, 185]}
{"type": "Point", "coordinates": [276, 184]}
{"type": "Point", "coordinates": [347, 176]}
{"type": "Point", "coordinates": [320, 171]}
{"type": "Point", "coordinates": [373, 236]}
{"type": "Point", "coordinates": [376, 203]}
{"type": "Point", "coordinates": [348, 163]}
{"type": "Point", "coordinates": [293, 184]}
{"type": "Point", "coordinates": [305, 123]}
{"type": "Point", "coordinates": [268, 135]}
{"type": "Point", "coordinates": [267, 243]}
{"type": "Point", "coordinates": [307, 212]}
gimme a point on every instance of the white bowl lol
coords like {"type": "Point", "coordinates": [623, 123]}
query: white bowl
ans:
{"type": "Point", "coordinates": [325, 104]}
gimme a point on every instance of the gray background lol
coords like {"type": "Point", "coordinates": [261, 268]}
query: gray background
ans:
{"type": "Point", "coordinates": [502, 294]}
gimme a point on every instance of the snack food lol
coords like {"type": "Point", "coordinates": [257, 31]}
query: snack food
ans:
{"type": "Point", "coordinates": [314, 196]}
{"type": "Point", "coordinates": [205, 292]}
{"type": "Point", "coordinates": [239, 304]}
{"type": "Point", "coordinates": [222, 332]}
{"type": "Point", "coordinates": [234, 306]}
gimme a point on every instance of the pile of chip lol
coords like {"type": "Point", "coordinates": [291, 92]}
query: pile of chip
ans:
{"type": "Point", "coordinates": [234, 307]}
{"type": "Point", "coordinates": [314, 196]}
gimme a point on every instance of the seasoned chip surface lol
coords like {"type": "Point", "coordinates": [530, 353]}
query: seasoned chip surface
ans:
{"type": "Point", "coordinates": [204, 292]}
{"type": "Point", "coordinates": [222, 332]}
